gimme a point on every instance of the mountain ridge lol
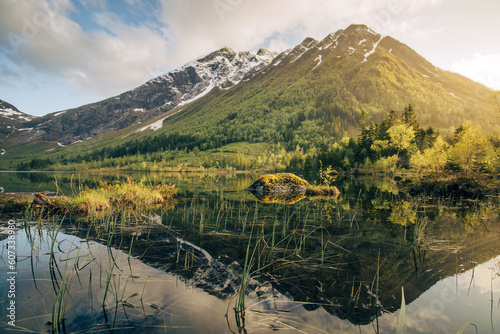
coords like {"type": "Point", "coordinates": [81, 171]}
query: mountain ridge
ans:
{"type": "Point", "coordinates": [222, 68]}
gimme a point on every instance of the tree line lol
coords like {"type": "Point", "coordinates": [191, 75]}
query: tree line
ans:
{"type": "Point", "coordinates": [400, 142]}
{"type": "Point", "coordinates": [300, 145]}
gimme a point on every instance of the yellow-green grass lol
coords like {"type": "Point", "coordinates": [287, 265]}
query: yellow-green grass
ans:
{"type": "Point", "coordinates": [119, 197]}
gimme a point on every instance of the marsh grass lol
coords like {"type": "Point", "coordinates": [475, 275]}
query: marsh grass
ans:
{"type": "Point", "coordinates": [115, 197]}
{"type": "Point", "coordinates": [315, 191]}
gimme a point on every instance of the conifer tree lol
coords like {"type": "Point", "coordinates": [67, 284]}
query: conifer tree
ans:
{"type": "Point", "coordinates": [409, 118]}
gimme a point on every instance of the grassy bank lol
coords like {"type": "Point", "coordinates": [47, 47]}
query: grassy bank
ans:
{"type": "Point", "coordinates": [105, 200]}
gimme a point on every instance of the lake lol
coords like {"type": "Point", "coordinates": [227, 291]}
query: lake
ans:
{"type": "Point", "coordinates": [224, 261]}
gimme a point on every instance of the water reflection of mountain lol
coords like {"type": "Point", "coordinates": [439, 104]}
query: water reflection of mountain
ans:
{"type": "Point", "coordinates": [327, 252]}
{"type": "Point", "coordinates": [321, 251]}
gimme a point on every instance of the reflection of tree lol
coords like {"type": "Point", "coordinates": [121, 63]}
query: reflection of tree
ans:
{"type": "Point", "coordinates": [403, 214]}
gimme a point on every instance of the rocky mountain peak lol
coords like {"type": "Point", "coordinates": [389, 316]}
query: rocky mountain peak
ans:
{"type": "Point", "coordinates": [221, 69]}
{"type": "Point", "coordinates": [225, 52]}
{"type": "Point", "coordinates": [8, 111]}
{"type": "Point", "coordinates": [11, 118]}
{"type": "Point", "coordinates": [358, 29]}
{"type": "Point", "coordinates": [266, 54]}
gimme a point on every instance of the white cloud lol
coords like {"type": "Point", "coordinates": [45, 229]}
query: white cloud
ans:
{"type": "Point", "coordinates": [101, 63]}
{"type": "Point", "coordinates": [481, 68]}
{"type": "Point", "coordinates": [278, 45]}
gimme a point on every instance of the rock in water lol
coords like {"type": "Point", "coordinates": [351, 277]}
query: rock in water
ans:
{"type": "Point", "coordinates": [283, 183]}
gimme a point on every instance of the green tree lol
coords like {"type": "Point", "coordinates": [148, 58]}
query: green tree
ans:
{"type": "Point", "coordinates": [380, 145]}
{"type": "Point", "coordinates": [410, 118]}
{"type": "Point", "coordinates": [433, 158]}
{"type": "Point", "coordinates": [437, 156]}
{"type": "Point", "coordinates": [472, 149]}
{"type": "Point", "coordinates": [401, 137]}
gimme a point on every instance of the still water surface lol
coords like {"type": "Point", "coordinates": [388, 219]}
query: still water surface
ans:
{"type": "Point", "coordinates": [319, 265]}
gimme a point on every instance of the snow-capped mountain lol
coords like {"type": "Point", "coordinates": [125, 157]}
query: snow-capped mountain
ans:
{"type": "Point", "coordinates": [11, 118]}
{"type": "Point", "coordinates": [354, 39]}
{"type": "Point", "coordinates": [221, 69]}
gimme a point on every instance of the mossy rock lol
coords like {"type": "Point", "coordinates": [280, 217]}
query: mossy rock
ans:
{"type": "Point", "coordinates": [283, 183]}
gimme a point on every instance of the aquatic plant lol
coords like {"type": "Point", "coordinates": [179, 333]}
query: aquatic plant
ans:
{"type": "Point", "coordinates": [465, 326]}
{"type": "Point", "coordinates": [127, 196]}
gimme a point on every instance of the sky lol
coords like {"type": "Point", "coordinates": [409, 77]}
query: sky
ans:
{"type": "Point", "coordinates": [61, 54]}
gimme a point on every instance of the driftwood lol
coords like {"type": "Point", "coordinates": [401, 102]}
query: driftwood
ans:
{"type": "Point", "coordinates": [40, 200]}
{"type": "Point", "coordinates": [43, 200]}
{"type": "Point", "coordinates": [17, 204]}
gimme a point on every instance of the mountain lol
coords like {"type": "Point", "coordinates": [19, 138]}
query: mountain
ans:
{"type": "Point", "coordinates": [313, 94]}
{"type": "Point", "coordinates": [318, 91]}
{"type": "Point", "coordinates": [11, 120]}
{"type": "Point", "coordinates": [223, 69]}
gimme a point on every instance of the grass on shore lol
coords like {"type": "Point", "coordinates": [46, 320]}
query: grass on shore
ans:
{"type": "Point", "coordinates": [128, 196]}
{"type": "Point", "coordinates": [106, 200]}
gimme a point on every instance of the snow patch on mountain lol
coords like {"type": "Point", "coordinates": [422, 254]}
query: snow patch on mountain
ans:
{"type": "Point", "coordinates": [14, 114]}
{"type": "Point", "coordinates": [207, 90]}
{"type": "Point", "coordinates": [330, 40]}
{"type": "Point", "coordinates": [369, 53]}
{"type": "Point", "coordinates": [318, 59]}
{"type": "Point", "coordinates": [276, 61]}
{"type": "Point", "coordinates": [302, 48]}
{"type": "Point", "coordinates": [156, 125]}
{"type": "Point", "coordinates": [454, 96]}
{"type": "Point", "coordinates": [60, 113]}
